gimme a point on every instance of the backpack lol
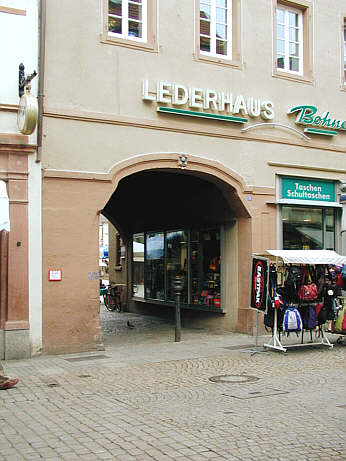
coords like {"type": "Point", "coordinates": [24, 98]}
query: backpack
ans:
{"type": "Point", "coordinates": [293, 282]}
{"type": "Point", "coordinates": [322, 314]}
{"type": "Point", "coordinates": [292, 320]}
{"type": "Point", "coordinates": [310, 318]}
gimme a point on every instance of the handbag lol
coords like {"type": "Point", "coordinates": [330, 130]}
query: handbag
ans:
{"type": "Point", "coordinates": [307, 291]}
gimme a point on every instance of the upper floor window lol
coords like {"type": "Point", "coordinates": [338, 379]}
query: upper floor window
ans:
{"type": "Point", "coordinates": [218, 31]}
{"type": "Point", "coordinates": [216, 27]}
{"type": "Point", "coordinates": [289, 40]}
{"type": "Point", "coordinates": [130, 23]}
{"type": "Point", "coordinates": [292, 39]}
{"type": "Point", "coordinates": [127, 19]}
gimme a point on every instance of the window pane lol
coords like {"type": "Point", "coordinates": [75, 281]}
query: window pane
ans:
{"type": "Point", "coordinates": [135, 29]}
{"type": "Point", "coordinates": [294, 64]}
{"type": "Point", "coordinates": [204, 44]}
{"type": "Point", "coordinates": [135, 11]}
{"type": "Point", "coordinates": [280, 32]}
{"type": "Point", "coordinates": [154, 266]}
{"type": "Point", "coordinates": [205, 11]}
{"type": "Point", "coordinates": [330, 230]}
{"type": "Point", "coordinates": [221, 31]}
{"type": "Point", "coordinates": [280, 16]}
{"type": "Point", "coordinates": [280, 44]}
{"type": "Point", "coordinates": [205, 28]}
{"type": "Point", "coordinates": [138, 265]}
{"type": "Point", "coordinates": [293, 19]}
{"type": "Point", "coordinates": [221, 15]}
{"type": "Point", "coordinates": [294, 49]}
{"type": "Point", "coordinates": [205, 267]}
{"type": "Point", "coordinates": [221, 47]}
{"type": "Point", "coordinates": [114, 7]}
{"type": "Point", "coordinates": [114, 25]}
{"type": "Point", "coordinates": [221, 3]}
{"type": "Point", "coordinates": [177, 263]}
{"type": "Point", "coordinates": [281, 62]}
{"type": "Point", "coordinates": [294, 34]}
{"type": "Point", "coordinates": [302, 228]}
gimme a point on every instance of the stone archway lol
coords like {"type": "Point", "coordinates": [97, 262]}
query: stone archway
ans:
{"type": "Point", "coordinates": [238, 232]}
{"type": "Point", "coordinates": [71, 204]}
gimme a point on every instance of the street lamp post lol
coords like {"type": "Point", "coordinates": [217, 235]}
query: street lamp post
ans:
{"type": "Point", "coordinates": [178, 287]}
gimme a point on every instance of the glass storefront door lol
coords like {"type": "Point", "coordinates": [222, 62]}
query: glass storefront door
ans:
{"type": "Point", "coordinates": [195, 255]}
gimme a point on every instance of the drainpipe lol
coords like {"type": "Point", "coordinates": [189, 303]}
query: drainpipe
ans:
{"type": "Point", "coordinates": [42, 48]}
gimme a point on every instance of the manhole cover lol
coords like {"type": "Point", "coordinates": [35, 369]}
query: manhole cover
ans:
{"type": "Point", "coordinates": [233, 379]}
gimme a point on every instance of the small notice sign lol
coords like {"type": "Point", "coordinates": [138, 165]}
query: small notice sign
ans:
{"type": "Point", "coordinates": [55, 275]}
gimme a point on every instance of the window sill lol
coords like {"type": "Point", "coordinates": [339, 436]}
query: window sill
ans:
{"type": "Point", "coordinates": [143, 46]}
{"type": "Point", "coordinates": [293, 77]}
{"type": "Point", "coordinates": [236, 64]}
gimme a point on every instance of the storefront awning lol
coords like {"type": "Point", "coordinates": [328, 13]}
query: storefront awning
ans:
{"type": "Point", "coordinates": [309, 256]}
{"type": "Point", "coordinates": [4, 208]}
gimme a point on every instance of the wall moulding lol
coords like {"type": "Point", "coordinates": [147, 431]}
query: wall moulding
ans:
{"type": "Point", "coordinates": [306, 167]}
{"type": "Point", "coordinates": [195, 129]}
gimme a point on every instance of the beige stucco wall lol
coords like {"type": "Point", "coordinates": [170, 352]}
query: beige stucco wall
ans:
{"type": "Point", "coordinates": [96, 125]}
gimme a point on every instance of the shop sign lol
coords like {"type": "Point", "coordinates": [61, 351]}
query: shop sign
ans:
{"type": "Point", "coordinates": [54, 275]}
{"type": "Point", "coordinates": [202, 100]}
{"type": "Point", "coordinates": [259, 284]}
{"type": "Point", "coordinates": [316, 123]}
{"type": "Point", "coordinates": [306, 189]}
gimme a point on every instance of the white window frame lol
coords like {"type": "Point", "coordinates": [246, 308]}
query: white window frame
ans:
{"type": "Point", "coordinates": [300, 42]}
{"type": "Point", "coordinates": [125, 22]}
{"type": "Point", "coordinates": [213, 37]}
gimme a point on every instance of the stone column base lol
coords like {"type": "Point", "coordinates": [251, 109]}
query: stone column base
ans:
{"type": "Point", "coordinates": [15, 344]}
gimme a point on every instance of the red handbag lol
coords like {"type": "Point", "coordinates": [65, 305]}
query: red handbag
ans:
{"type": "Point", "coordinates": [307, 292]}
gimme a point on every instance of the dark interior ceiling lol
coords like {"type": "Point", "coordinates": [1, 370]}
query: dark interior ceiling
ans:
{"type": "Point", "coordinates": [155, 200]}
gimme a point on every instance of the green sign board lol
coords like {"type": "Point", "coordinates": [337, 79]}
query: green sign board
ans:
{"type": "Point", "coordinates": [306, 189]}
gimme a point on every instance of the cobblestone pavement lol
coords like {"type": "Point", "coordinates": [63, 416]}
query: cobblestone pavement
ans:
{"type": "Point", "coordinates": [148, 398]}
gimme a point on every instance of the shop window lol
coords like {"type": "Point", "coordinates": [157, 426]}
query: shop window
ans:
{"type": "Point", "coordinates": [218, 31]}
{"type": "Point", "coordinates": [154, 266]}
{"type": "Point", "coordinates": [130, 23]}
{"type": "Point", "coordinates": [293, 40]}
{"type": "Point", "coordinates": [308, 228]}
{"type": "Point", "coordinates": [194, 255]}
{"type": "Point", "coordinates": [119, 252]}
{"type": "Point", "coordinates": [138, 265]}
{"type": "Point", "coordinates": [176, 251]}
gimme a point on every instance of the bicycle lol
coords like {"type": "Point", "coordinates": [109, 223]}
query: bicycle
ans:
{"type": "Point", "coordinates": [112, 298]}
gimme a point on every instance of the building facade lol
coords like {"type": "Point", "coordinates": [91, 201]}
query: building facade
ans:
{"type": "Point", "coordinates": [20, 249]}
{"type": "Point", "coordinates": [204, 131]}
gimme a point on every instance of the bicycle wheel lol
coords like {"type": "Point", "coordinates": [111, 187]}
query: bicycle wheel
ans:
{"type": "Point", "coordinates": [109, 302]}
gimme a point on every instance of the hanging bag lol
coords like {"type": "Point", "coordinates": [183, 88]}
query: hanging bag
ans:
{"type": "Point", "coordinates": [340, 322]}
{"type": "Point", "coordinates": [292, 321]}
{"type": "Point", "coordinates": [307, 291]}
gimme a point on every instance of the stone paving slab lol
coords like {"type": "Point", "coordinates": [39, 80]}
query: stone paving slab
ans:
{"type": "Point", "coordinates": [154, 400]}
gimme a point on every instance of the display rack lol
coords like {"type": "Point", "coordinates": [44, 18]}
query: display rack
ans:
{"type": "Point", "coordinates": [275, 342]}
{"type": "Point", "coordinates": [301, 257]}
